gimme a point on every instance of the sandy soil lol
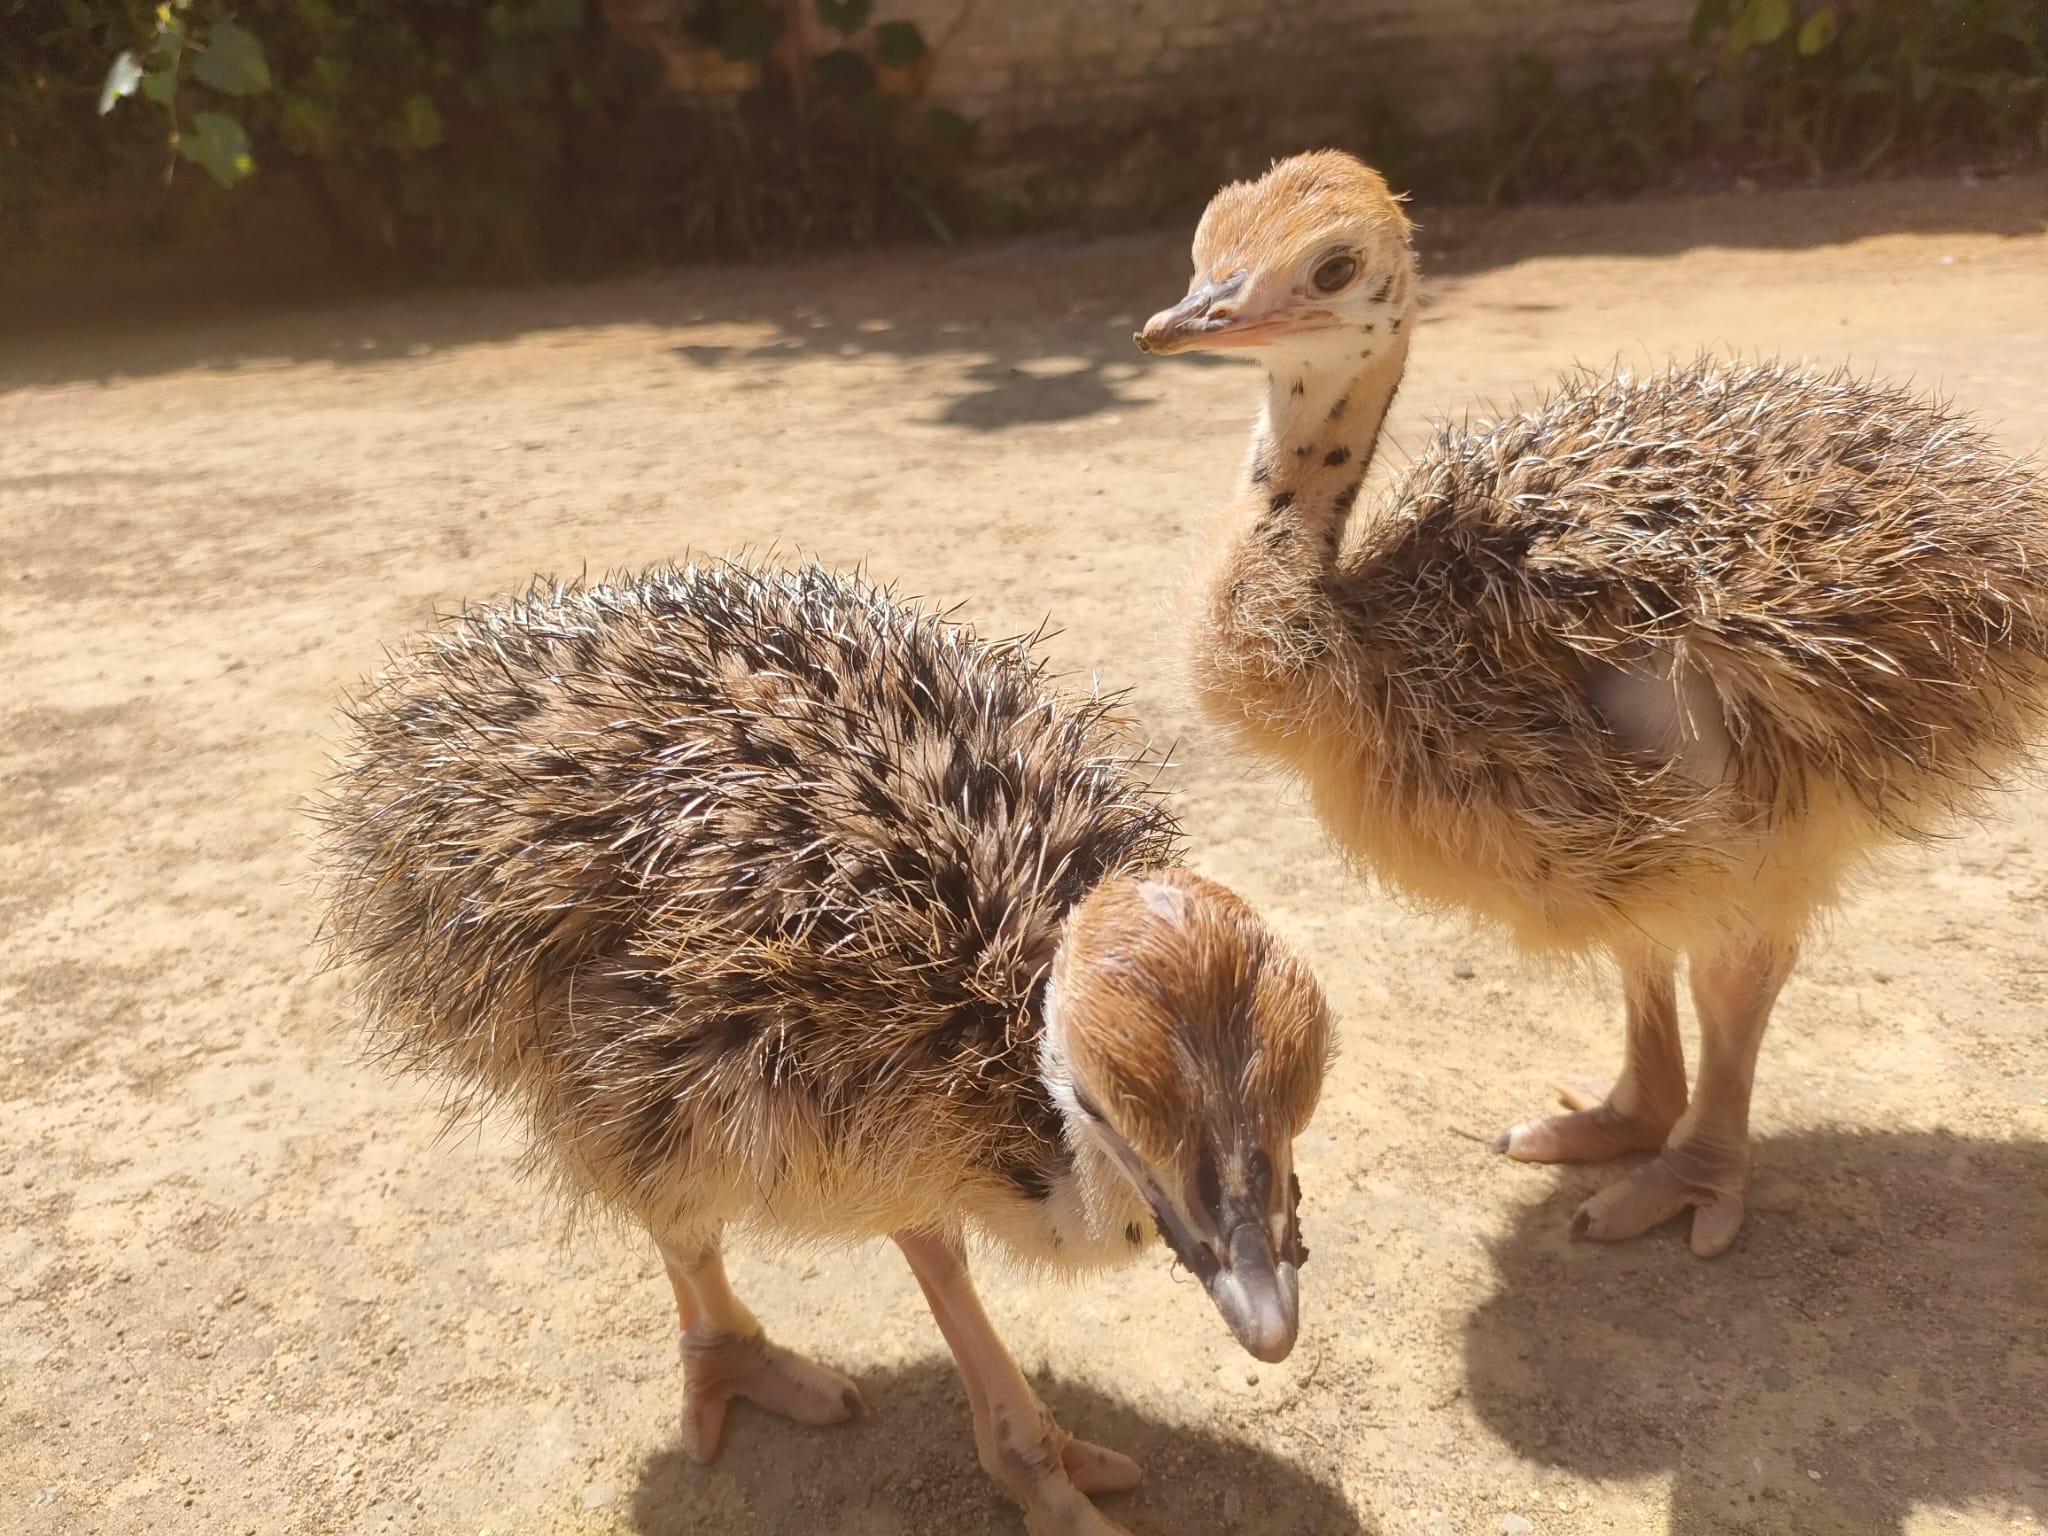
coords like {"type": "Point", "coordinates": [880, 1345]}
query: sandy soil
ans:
{"type": "Point", "coordinates": [248, 1289]}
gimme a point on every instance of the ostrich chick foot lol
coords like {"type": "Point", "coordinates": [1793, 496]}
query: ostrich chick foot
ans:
{"type": "Point", "coordinates": [1603, 1123]}
{"type": "Point", "coordinates": [1687, 1174]}
{"type": "Point", "coordinates": [1050, 1474]}
{"type": "Point", "coordinates": [718, 1367]}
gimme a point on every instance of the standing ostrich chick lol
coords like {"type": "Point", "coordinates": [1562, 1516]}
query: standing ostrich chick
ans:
{"type": "Point", "coordinates": [776, 905]}
{"type": "Point", "coordinates": [1648, 670]}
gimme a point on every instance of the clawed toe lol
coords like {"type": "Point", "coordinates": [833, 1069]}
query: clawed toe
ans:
{"type": "Point", "coordinates": [1098, 1469]}
{"type": "Point", "coordinates": [719, 1368]}
{"type": "Point", "coordinates": [704, 1428]}
{"type": "Point", "coordinates": [1594, 1131]}
{"type": "Point", "coordinates": [1583, 1092]}
{"type": "Point", "coordinates": [1650, 1196]}
{"type": "Point", "coordinates": [1700, 1132]}
{"type": "Point", "coordinates": [801, 1389]}
{"type": "Point", "coordinates": [1050, 1474]}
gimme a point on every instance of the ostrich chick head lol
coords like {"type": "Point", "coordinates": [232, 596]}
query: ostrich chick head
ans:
{"type": "Point", "coordinates": [1310, 265]}
{"type": "Point", "coordinates": [1187, 1045]}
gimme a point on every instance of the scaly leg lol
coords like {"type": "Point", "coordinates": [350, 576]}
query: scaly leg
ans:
{"type": "Point", "coordinates": [1705, 1163]}
{"type": "Point", "coordinates": [727, 1355]}
{"type": "Point", "coordinates": [1040, 1465]}
{"type": "Point", "coordinates": [1638, 1112]}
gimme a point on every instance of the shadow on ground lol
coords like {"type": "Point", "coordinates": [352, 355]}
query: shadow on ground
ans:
{"type": "Point", "coordinates": [1877, 1341]}
{"type": "Point", "coordinates": [1041, 330]}
{"type": "Point", "coordinates": [908, 1469]}
{"type": "Point", "coordinates": [1049, 319]}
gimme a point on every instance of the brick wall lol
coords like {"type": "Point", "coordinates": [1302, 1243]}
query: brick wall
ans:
{"type": "Point", "coordinates": [1289, 69]}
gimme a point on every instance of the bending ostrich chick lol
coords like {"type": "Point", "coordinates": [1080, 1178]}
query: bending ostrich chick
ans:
{"type": "Point", "coordinates": [776, 905]}
{"type": "Point", "coordinates": [1647, 670]}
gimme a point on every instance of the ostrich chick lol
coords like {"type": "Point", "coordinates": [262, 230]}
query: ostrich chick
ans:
{"type": "Point", "coordinates": [775, 905]}
{"type": "Point", "coordinates": [1647, 670]}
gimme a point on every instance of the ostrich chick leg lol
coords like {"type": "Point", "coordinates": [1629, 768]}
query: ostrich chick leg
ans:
{"type": "Point", "coordinates": [1040, 1465]}
{"type": "Point", "coordinates": [1704, 1164]}
{"type": "Point", "coordinates": [1639, 1111]}
{"type": "Point", "coordinates": [727, 1355]}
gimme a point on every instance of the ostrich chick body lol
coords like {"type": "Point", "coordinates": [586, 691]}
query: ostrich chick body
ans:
{"type": "Point", "coordinates": [775, 904]}
{"type": "Point", "coordinates": [1648, 670]}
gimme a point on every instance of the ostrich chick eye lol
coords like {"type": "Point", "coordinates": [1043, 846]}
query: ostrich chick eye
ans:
{"type": "Point", "coordinates": [1336, 273]}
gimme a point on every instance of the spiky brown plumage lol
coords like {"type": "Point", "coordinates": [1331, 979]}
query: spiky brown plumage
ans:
{"type": "Point", "coordinates": [748, 889]}
{"type": "Point", "coordinates": [1859, 576]}
{"type": "Point", "coordinates": [737, 882]}
{"type": "Point", "coordinates": [1649, 670]}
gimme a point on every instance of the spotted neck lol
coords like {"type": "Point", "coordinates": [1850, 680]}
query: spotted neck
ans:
{"type": "Point", "coordinates": [1316, 437]}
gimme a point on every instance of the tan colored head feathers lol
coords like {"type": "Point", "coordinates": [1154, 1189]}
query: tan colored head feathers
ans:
{"type": "Point", "coordinates": [1316, 245]}
{"type": "Point", "coordinates": [1286, 215]}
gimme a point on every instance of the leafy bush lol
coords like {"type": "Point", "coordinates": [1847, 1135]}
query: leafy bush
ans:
{"type": "Point", "coordinates": [224, 57]}
{"type": "Point", "coordinates": [1785, 85]}
{"type": "Point", "coordinates": [538, 137]}
{"type": "Point", "coordinates": [1543, 140]}
{"type": "Point", "coordinates": [519, 137]}
{"type": "Point", "coordinates": [1823, 86]}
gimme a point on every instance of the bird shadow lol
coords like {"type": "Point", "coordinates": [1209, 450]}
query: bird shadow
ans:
{"type": "Point", "coordinates": [1877, 1341]}
{"type": "Point", "coordinates": [909, 1469]}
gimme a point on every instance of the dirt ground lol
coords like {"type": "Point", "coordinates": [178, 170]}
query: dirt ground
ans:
{"type": "Point", "coordinates": [245, 1286]}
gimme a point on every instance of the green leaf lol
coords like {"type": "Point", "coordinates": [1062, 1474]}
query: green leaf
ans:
{"type": "Point", "coordinates": [419, 127]}
{"type": "Point", "coordinates": [123, 75]}
{"type": "Point", "coordinates": [1741, 33]}
{"type": "Point", "coordinates": [1768, 19]}
{"type": "Point", "coordinates": [218, 144]}
{"type": "Point", "coordinates": [232, 62]}
{"type": "Point", "coordinates": [899, 44]}
{"type": "Point", "coordinates": [1817, 31]}
{"type": "Point", "coordinates": [161, 86]}
{"type": "Point", "coordinates": [311, 126]}
{"type": "Point", "coordinates": [845, 17]}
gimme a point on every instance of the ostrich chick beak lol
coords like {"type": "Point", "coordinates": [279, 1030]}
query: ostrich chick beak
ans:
{"type": "Point", "coordinates": [1205, 318]}
{"type": "Point", "coordinates": [1257, 1292]}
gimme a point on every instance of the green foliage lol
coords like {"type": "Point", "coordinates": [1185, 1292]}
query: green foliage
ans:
{"type": "Point", "coordinates": [219, 145]}
{"type": "Point", "coordinates": [509, 138]}
{"type": "Point", "coordinates": [1834, 87]}
{"type": "Point", "coordinates": [525, 138]}
{"type": "Point", "coordinates": [221, 56]}
{"type": "Point", "coordinates": [1545, 139]}
{"type": "Point", "coordinates": [1808, 86]}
